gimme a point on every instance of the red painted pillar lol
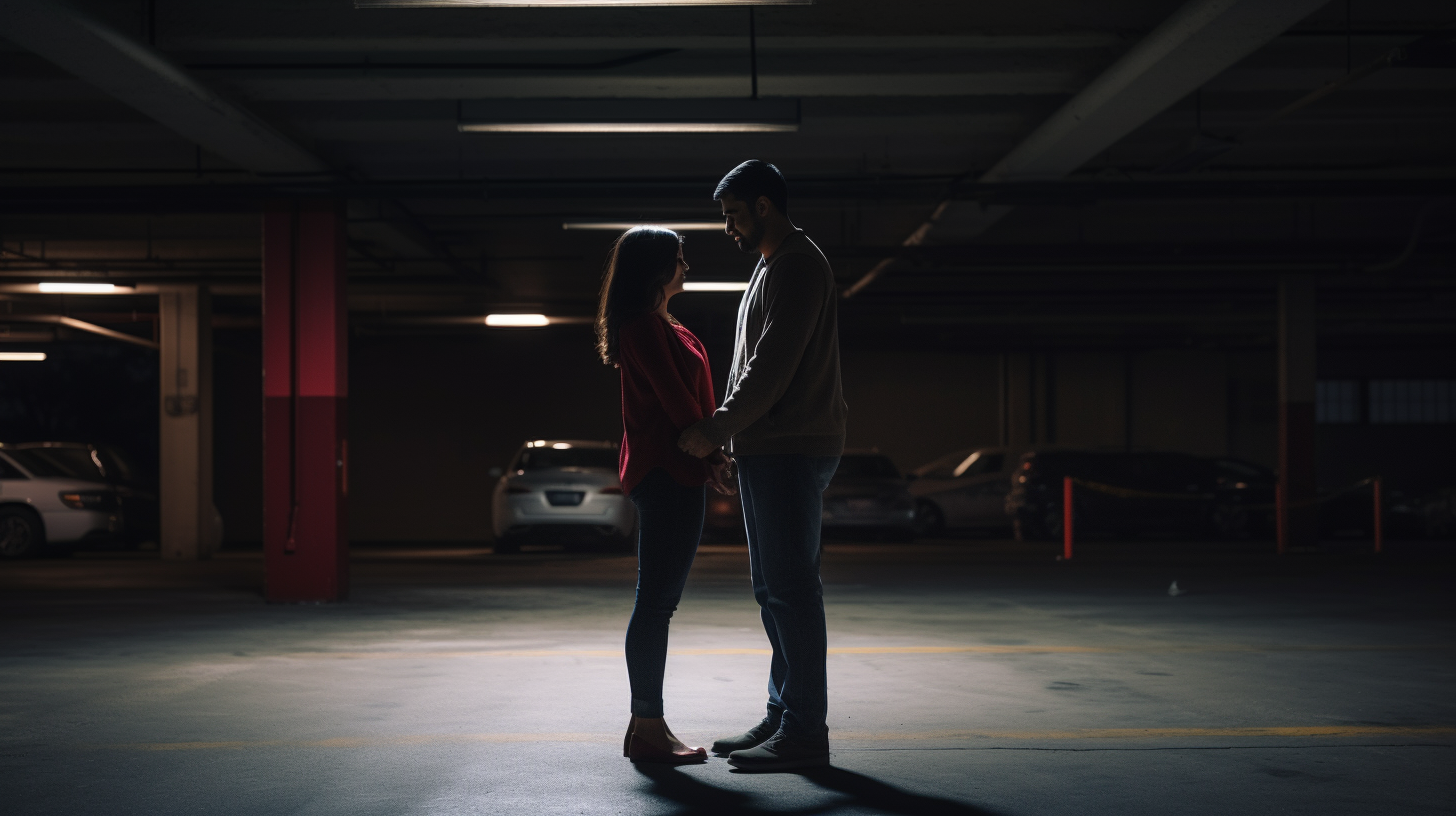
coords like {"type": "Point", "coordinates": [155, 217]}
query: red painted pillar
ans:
{"type": "Point", "coordinates": [1297, 346]}
{"type": "Point", "coordinates": [305, 394]}
{"type": "Point", "coordinates": [1067, 516]}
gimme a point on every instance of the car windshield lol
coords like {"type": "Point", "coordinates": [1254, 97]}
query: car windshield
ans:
{"type": "Point", "coordinates": [866, 467]}
{"type": "Point", "coordinates": [945, 466]}
{"type": "Point", "coordinates": [58, 463]}
{"type": "Point", "coordinates": [546, 458]}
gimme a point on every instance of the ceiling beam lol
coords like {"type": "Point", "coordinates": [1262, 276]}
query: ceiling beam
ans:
{"type": "Point", "coordinates": [1199, 41]}
{"type": "Point", "coordinates": [145, 79]}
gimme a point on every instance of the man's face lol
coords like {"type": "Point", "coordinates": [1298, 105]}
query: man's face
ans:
{"type": "Point", "coordinates": [741, 223]}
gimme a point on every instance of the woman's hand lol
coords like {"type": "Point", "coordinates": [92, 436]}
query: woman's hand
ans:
{"type": "Point", "coordinates": [721, 475]}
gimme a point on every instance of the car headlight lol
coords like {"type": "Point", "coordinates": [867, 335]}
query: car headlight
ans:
{"type": "Point", "coordinates": [103, 500]}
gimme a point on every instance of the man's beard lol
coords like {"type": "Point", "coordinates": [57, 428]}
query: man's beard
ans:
{"type": "Point", "coordinates": [749, 241]}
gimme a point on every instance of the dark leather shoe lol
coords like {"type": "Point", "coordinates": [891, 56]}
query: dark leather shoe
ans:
{"type": "Point", "coordinates": [781, 753]}
{"type": "Point", "coordinates": [640, 750]}
{"type": "Point", "coordinates": [748, 739]}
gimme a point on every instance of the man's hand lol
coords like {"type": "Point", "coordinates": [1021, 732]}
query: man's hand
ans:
{"type": "Point", "coordinates": [721, 477]}
{"type": "Point", "coordinates": [694, 442]}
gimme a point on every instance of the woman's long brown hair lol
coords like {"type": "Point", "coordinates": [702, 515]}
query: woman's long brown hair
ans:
{"type": "Point", "coordinates": [643, 261]}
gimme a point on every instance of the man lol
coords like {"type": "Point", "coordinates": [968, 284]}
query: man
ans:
{"type": "Point", "coordinates": [783, 419]}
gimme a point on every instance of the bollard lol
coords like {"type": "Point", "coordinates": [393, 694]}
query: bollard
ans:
{"type": "Point", "coordinates": [1281, 519]}
{"type": "Point", "coordinates": [1379, 532]}
{"type": "Point", "coordinates": [1067, 518]}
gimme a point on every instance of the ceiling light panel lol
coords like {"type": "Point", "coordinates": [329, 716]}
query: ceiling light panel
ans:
{"type": "Point", "coordinates": [568, 3]}
{"type": "Point", "coordinates": [22, 356]}
{"type": "Point", "coordinates": [628, 127]}
{"type": "Point", "coordinates": [517, 320]}
{"type": "Point", "coordinates": [608, 116]}
{"type": "Point", "coordinates": [715, 286]}
{"type": "Point", "coordinates": [623, 226]}
{"type": "Point", "coordinates": [68, 288]}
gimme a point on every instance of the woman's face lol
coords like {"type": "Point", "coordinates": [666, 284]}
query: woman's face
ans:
{"type": "Point", "coordinates": [678, 276]}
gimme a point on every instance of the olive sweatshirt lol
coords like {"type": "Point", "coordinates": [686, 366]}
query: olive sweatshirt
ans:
{"type": "Point", "coordinates": [784, 393]}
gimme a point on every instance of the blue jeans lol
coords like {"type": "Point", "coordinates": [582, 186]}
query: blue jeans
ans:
{"type": "Point", "coordinates": [669, 525]}
{"type": "Point", "coordinates": [783, 498]}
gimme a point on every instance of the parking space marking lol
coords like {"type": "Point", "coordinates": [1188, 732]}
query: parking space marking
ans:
{"type": "Point", "coordinates": [1122, 734]}
{"type": "Point", "coordinates": [876, 650]}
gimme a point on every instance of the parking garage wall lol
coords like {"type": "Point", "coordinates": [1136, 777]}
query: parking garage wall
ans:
{"type": "Point", "coordinates": [430, 415]}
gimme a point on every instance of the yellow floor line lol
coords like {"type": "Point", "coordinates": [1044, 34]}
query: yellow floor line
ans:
{"type": "Point", "coordinates": [868, 650]}
{"type": "Point", "coordinates": [1247, 732]}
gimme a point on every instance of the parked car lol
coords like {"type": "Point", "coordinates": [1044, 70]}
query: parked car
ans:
{"type": "Point", "coordinates": [963, 490]}
{"type": "Point", "coordinates": [562, 490]}
{"type": "Point", "coordinates": [1438, 513]}
{"type": "Point", "coordinates": [868, 494]}
{"type": "Point", "coordinates": [57, 496]}
{"type": "Point", "coordinates": [1128, 494]}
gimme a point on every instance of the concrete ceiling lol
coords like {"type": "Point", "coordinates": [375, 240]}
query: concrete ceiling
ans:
{"type": "Point", "coordinates": [897, 110]}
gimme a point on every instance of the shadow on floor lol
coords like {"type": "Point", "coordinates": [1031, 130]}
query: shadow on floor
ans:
{"type": "Point", "coordinates": [856, 792]}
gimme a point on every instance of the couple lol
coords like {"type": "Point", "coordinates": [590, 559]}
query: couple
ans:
{"type": "Point", "coordinates": [783, 420]}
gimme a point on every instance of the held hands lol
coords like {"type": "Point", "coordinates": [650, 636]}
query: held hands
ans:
{"type": "Point", "coordinates": [722, 473]}
{"type": "Point", "coordinates": [694, 442]}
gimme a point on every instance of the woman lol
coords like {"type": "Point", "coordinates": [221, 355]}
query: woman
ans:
{"type": "Point", "coordinates": [666, 386]}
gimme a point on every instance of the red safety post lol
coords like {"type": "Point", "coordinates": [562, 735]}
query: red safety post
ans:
{"type": "Point", "coordinates": [1379, 531]}
{"type": "Point", "coordinates": [305, 399]}
{"type": "Point", "coordinates": [1281, 520]}
{"type": "Point", "coordinates": [1067, 518]}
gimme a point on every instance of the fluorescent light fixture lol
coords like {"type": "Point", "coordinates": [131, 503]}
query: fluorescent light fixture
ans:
{"type": "Point", "coordinates": [622, 226]}
{"type": "Point", "coordinates": [628, 127]}
{"type": "Point", "coordinates": [568, 3]}
{"type": "Point", "coordinates": [715, 286]}
{"type": "Point", "coordinates": [22, 356]}
{"type": "Point", "coordinates": [517, 320]}
{"type": "Point", "coordinates": [561, 446]}
{"type": "Point", "coordinates": [622, 116]}
{"type": "Point", "coordinates": [63, 288]}
{"type": "Point", "coordinates": [540, 443]}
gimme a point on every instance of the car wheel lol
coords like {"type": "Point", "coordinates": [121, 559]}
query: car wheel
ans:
{"type": "Point", "coordinates": [21, 533]}
{"type": "Point", "coordinates": [929, 521]}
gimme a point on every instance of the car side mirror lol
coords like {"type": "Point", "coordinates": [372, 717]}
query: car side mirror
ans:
{"type": "Point", "coordinates": [496, 473]}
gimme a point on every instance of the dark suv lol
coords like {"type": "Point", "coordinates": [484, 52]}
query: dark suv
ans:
{"type": "Point", "coordinates": [1128, 494]}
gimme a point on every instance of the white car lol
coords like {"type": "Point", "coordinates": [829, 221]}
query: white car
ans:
{"type": "Point", "coordinates": [964, 490]}
{"type": "Point", "coordinates": [562, 491]}
{"type": "Point", "coordinates": [53, 497]}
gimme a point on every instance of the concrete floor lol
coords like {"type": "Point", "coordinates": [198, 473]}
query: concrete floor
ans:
{"type": "Point", "coordinates": [967, 677]}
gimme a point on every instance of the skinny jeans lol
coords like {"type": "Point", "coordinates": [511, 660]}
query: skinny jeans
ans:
{"type": "Point", "coordinates": [669, 525]}
{"type": "Point", "coordinates": [783, 502]}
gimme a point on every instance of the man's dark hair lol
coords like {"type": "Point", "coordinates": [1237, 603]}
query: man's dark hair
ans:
{"type": "Point", "coordinates": [752, 179]}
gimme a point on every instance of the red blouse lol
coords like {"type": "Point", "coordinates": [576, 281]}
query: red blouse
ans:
{"type": "Point", "coordinates": [666, 386]}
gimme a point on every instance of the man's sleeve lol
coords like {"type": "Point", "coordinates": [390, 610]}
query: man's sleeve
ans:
{"type": "Point", "coordinates": [794, 293]}
{"type": "Point", "coordinates": [645, 349]}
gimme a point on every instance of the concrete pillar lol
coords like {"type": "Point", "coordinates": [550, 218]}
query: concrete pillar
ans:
{"type": "Point", "coordinates": [305, 387]}
{"type": "Point", "coordinates": [1296, 408]}
{"type": "Point", "coordinates": [190, 529]}
{"type": "Point", "coordinates": [1026, 415]}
